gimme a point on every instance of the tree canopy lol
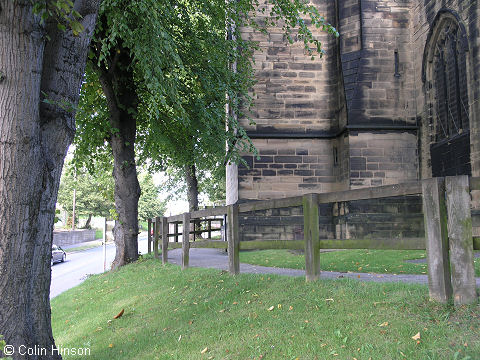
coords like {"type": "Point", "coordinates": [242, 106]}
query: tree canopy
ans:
{"type": "Point", "coordinates": [182, 63]}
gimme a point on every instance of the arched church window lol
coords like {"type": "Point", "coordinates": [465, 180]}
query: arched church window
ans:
{"type": "Point", "coordinates": [450, 83]}
{"type": "Point", "coordinates": [446, 53]}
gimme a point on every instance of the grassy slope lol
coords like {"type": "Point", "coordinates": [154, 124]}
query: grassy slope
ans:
{"type": "Point", "coordinates": [374, 261]}
{"type": "Point", "coordinates": [82, 248]}
{"type": "Point", "coordinates": [170, 314]}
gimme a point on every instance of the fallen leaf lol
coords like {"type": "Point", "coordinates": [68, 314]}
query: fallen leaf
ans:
{"type": "Point", "coordinates": [279, 306]}
{"type": "Point", "coordinates": [110, 346]}
{"type": "Point", "coordinates": [416, 337]}
{"type": "Point", "coordinates": [235, 303]}
{"type": "Point", "coordinates": [179, 338]}
{"type": "Point", "coordinates": [271, 308]}
{"type": "Point", "coordinates": [204, 350]}
{"type": "Point", "coordinates": [329, 300]}
{"type": "Point", "coordinates": [290, 307]}
{"type": "Point", "coordinates": [119, 314]}
{"type": "Point", "coordinates": [384, 324]}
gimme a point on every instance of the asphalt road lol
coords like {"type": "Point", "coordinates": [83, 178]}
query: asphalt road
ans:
{"type": "Point", "coordinates": [81, 264]}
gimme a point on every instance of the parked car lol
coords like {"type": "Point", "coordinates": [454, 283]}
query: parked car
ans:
{"type": "Point", "coordinates": [58, 255]}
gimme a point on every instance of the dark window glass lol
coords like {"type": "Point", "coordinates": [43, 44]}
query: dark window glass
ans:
{"type": "Point", "coordinates": [450, 83]}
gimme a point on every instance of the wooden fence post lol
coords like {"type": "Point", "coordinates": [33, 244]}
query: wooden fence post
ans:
{"type": "Point", "coordinates": [176, 232]}
{"type": "Point", "coordinates": [311, 231]}
{"type": "Point", "coordinates": [156, 231]}
{"type": "Point", "coordinates": [164, 240]}
{"type": "Point", "coordinates": [436, 239]}
{"type": "Point", "coordinates": [149, 236]}
{"type": "Point", "coordinates": [233, 239]}
{"type": "Point", "coordinates": [186, 240]}
{"type": "Point", "coordinates": [461, 242]}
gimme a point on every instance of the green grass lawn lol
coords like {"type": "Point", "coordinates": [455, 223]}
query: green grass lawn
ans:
{"type": "Point", "coordinates": [98, 234]}
{"type": "Point", "coordinates": [374, 261]}
{"type": "Point", "coordinates": [170, 314]}
{"type": "Point", "coordinates": [84, 247]}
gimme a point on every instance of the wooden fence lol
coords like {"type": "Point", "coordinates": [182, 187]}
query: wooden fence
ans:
{"type": "Point", "coordinates": [448, 232]}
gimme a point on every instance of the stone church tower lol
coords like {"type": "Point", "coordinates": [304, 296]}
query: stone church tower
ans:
{"type": "Point", "coordinates": [394, 99]}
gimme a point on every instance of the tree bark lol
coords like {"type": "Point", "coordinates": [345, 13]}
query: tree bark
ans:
{"type": "Point", "coordinates": [89, 220]}
{"type": "Point", "coordinates": [119, 87]}
{"type": "Point", "coordinates": [192, 192]}
{"type": "Point", "coordinates": [34, 138]}
{"type": "Point", "coordinates": [192, 187]}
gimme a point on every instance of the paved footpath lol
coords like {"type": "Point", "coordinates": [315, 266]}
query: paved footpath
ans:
{"type": "Point", "coordinates": [218, 259]}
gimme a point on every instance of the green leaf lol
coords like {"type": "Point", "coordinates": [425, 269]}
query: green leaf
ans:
{"type": "Point", "coordinates": [77, 27]}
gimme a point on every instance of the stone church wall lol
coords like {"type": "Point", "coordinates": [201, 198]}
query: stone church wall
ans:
{"type": "Point", "coordinates": [382, 158]}
{"type": "Point", "coordinates": [360, 116]}
{"type": "Point", "coordinates": [424, 14]}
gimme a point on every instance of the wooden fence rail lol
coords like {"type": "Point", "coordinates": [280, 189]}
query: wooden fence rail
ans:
{"type": "Point", "coordinates": [448, 232]}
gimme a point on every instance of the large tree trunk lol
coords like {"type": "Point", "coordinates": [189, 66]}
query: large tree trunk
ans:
{"type": "Point", "coordinates": [34, 137]}
{"type": "Point", "coordinates": [119, 88]}
{"type": "Point", "coordinates": [89, 220]}
{"type": "Point", "coordinates": [192, 187]}
{"type": "Point", "coordinates": [192, 192]}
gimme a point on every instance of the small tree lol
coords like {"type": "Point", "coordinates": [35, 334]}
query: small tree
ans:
{"type": "Point", "coordinates": [94, 192]}
{"type": "Point", "coordinates": [149, 204]}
